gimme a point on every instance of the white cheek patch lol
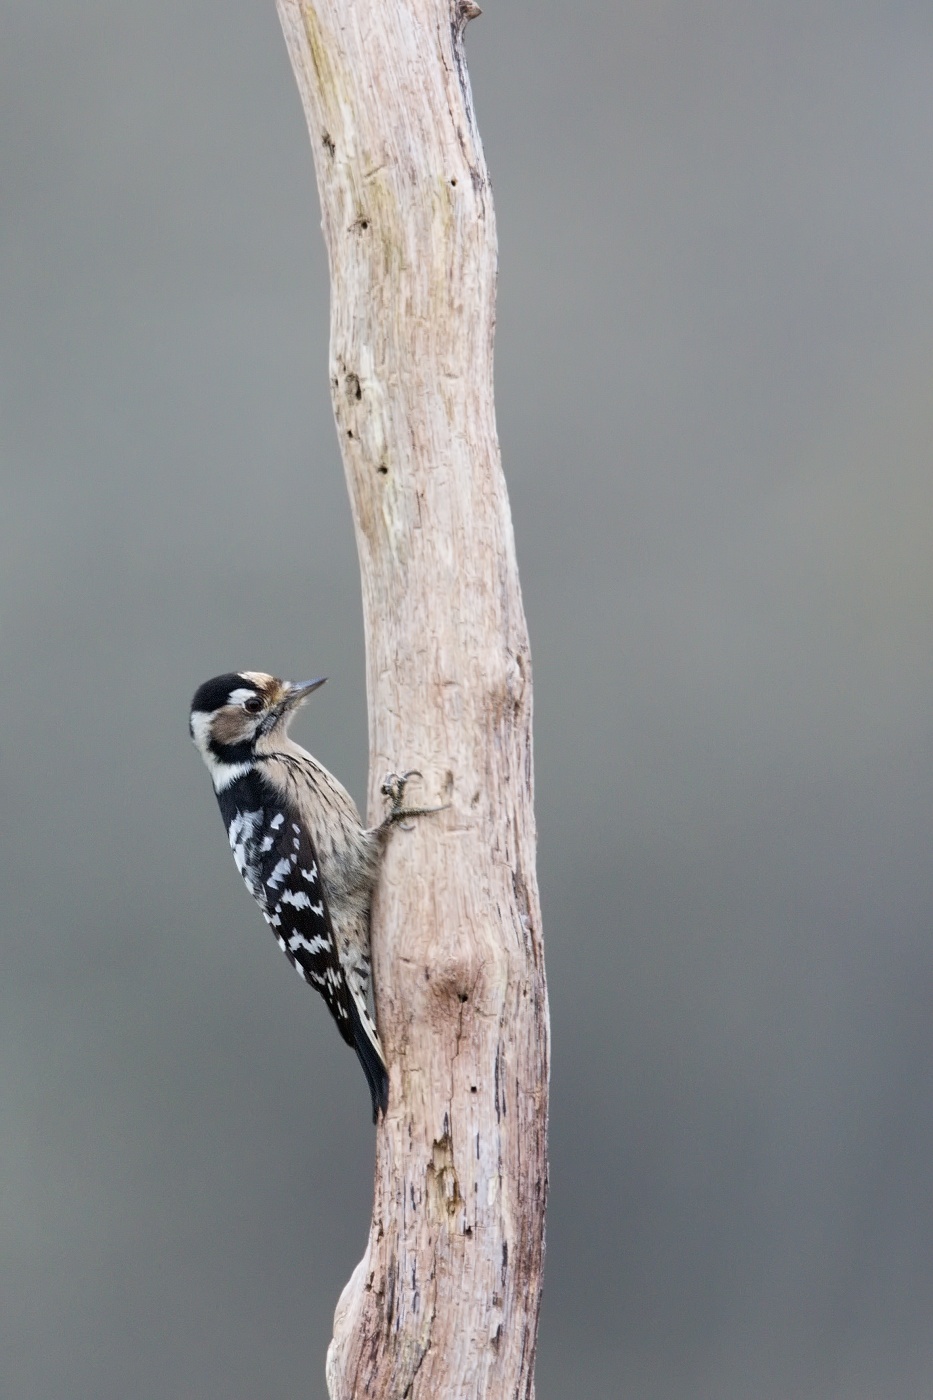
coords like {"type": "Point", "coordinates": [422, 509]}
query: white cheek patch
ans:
{"type": "Point", "coordinates": [200, 730]}
{"type": "Point", "coordinates": [222, 774]}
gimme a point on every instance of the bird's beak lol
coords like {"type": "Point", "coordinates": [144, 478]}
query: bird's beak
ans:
{"type": "Point", "coordinates": [295, 695]}
{"type": "Point", "coordinates": [298, 692]}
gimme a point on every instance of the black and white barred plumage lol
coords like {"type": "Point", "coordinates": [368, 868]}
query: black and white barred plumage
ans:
{"type": "Point", "coordinates": [299, 844]}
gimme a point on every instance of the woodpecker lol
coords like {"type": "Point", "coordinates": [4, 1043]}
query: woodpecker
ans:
{"type": "Point", "coordinates": [299, 843]}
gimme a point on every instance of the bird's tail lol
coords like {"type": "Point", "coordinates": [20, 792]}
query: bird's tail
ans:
{"type": "Point", "coordinates": [369, 1052]}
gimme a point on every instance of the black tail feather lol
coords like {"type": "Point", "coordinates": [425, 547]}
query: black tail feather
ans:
{"type": "Point", "coordinates": [376, 1074]}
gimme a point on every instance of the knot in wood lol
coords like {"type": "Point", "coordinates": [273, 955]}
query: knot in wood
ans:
{"type": "Point", "coordinates": [442, 1184]}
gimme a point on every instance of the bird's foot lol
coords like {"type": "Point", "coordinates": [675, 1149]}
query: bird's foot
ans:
{"type": "Point", "coordinates": [393, 789]}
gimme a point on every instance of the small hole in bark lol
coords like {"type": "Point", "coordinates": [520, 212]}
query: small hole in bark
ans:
{"type": "Point", "coordinates": [327, 141]}
{"type": "Point", "coordinates": [364, 223]}
{"type": "Point", "coordinates": [454, 180]}
{"type": "Point", "coordinates": [464, 996]}
{"type": "Point", "coordinates": [382, 469]}
{"type": "Point", "coordinates": [472, 1088]}
{"type": "Point", "coordinates": [349, 432]}
{"type": "Point", "coordinates": [468, 1230]}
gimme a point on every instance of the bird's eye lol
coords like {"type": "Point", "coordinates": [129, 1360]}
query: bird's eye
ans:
{"type": "Point", "coordinates": [253, 706]}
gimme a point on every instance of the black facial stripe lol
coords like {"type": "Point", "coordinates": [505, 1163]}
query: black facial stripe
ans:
{"type": "Point", "coordinates": [232, 753]}
{"type": "Point", "coordinates": [214, 694]}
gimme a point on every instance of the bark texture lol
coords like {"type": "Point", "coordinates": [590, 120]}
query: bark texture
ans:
{"type": "Point", "coordinates": [444, 1303]}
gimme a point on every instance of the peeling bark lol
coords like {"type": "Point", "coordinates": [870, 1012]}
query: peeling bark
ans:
{"type": "Point", "coordinates": [445, 1301]}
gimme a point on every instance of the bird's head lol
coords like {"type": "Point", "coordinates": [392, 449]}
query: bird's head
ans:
{"type": "Point", "coordinates": [236, 716]}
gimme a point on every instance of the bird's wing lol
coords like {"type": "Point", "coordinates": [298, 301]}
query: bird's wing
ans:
{"type": "Point", "coordinates": [286, 883]}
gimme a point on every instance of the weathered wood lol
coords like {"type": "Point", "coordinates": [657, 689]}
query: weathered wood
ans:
{"type": "Point", "coordinates": [445, 1302]}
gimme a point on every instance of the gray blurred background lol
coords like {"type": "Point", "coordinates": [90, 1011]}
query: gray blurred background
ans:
{"type": "Point", "coordinates": [715, 360]}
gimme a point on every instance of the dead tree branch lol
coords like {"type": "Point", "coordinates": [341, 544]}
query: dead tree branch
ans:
{"type": "Point", "coordinates": [445, 1301]}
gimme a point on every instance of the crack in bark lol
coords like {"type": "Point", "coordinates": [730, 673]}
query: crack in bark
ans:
{"type": "Point", "coordinates": [427, 1347]}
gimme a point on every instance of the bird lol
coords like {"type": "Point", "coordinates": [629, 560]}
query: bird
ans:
{"type": "Point", "coordinates": [300, 845]}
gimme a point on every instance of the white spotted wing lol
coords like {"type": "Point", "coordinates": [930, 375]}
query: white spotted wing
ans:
{"type": "Point", "coordinates": [277, 860]}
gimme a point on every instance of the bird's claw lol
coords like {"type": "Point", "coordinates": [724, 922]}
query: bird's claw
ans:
{"type": "Point", "coordinates": [393, 788]}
